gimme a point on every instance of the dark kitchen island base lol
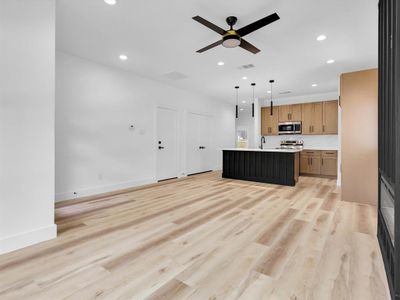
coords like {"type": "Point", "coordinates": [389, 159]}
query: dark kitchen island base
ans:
{"type": "Point", "coordinates": [269, 166]}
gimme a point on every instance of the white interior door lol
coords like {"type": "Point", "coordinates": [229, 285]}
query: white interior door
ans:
{"type": "Point", "coordinates": [167, 150]}
{"type": "Point", "coordinates": [205, 143]}
{"type": "Point", "coordinates": [198, 143]}
{"type": "Point", "coordinates": [192, 144]}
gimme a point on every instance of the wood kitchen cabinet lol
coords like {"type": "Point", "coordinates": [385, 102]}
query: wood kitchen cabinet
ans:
{"type": "Point", "coordinates": [289, 113]}
{"type": "Point", "coordinates": [317, 117]}
{"type": "Point", "coordinates": [310, 162]}
{"type": "Point", "coordinates": [269, 124]}
{"type": "Point", "coordinates": [317, 162]}
{"type": "Point", "coordinates": [330, 117]}
{"type": "Point", "coordinates": [312, 118]}
{"type": "Point", "coordinates": [329, 163]}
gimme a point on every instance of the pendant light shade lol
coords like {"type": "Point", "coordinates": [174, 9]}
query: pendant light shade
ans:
{"type": "Point", "coordinates": [252, 104]}
{"type": "Point", "coordinates": [237, 99]}
{"type": "Point", "coordinates": [272, 103]}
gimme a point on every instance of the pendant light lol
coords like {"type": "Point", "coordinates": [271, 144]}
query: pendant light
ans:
{"type": "Point", "coordinates": [252, 104]}
{"type": "Point", "coordinates": [272, 103]}
{"type": "Point", "coordinates": [237, 99]}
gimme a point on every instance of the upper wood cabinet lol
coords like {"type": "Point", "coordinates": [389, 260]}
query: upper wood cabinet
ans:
{"type": "Point", "coordinates": [330, 117]}
{"type": "Point", "coordinates": [269, 124]}
{"type": "Point", "coordinates": [312, 118]}
{"type": "Point", "coordinates": [317, 117]}
{"type": "Point", "coordinates": [290, 113]}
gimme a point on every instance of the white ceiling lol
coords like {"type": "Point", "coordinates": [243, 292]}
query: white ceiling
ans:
{"type": "Point", "coordinates": [159, 36]}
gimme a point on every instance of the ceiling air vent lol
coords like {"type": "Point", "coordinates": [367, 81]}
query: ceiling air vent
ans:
{"type": "Point", "coordinates": [245, 67]}
{"type": "Point", "coordinates": [285, 93]}
{"type": "Point", "coordinates": [175, 75]}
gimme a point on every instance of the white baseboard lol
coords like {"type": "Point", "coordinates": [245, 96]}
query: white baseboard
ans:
{"type": "Point", "coordinates": [27, 238]}
{"type": "Point", "coordinates": [103, 189]}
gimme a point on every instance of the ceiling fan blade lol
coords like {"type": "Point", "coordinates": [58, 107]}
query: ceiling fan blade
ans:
{"type": "Point", "coordinates": [249, 47]}
{"type": "Point", "coordinates": [210, 46]}
{"type": "Point", "coordinates": [210, 25]}
{"type": "Point", "coordinates": [258, 24]}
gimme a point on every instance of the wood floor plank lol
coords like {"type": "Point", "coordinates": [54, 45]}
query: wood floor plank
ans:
{"type": "Point", "coordinates": [205, 237]}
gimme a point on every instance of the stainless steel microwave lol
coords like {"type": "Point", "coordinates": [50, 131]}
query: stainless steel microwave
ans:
{"type": "Point", "coordinates": [289, 128]}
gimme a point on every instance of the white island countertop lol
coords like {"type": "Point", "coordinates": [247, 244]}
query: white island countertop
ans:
{"type": "Point", "coordinates": [263, 150]}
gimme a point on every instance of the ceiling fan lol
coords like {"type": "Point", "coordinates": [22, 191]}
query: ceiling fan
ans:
{"type": "Point", "coordinates": [232, 38]}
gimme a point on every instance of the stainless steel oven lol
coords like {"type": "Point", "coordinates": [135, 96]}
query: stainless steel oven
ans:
{"type": "Point", "coordinates": [289, 128]}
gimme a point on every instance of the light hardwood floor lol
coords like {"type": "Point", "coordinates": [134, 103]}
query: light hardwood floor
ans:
{"type": "Point", "coordinates": [205, 238]}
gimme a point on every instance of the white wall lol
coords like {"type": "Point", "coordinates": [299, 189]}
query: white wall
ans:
{"type": "Point", "coordinates": [26, 122]}
{"type": "Point", "coordinates": [96, 151]}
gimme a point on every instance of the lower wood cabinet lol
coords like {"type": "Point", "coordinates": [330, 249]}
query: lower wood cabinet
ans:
{"type": "Point", "coordinates": [310, 162]}
{"type": "Point", "coordinates": [318, 162]}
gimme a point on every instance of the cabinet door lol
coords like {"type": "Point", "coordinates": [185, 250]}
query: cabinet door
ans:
{"type": "Point", "coordinates": [284, 113]}
{"type": "Point", "coordinates": [315, 165]}
{"type": "Point", "coordinates": [330, 117]}
{"type": "Point", "coordinates": [274, 120]}
{"type": "Point", "coordinates": [295, 114]}
{"type": "Point", "coordinates": [269, 124]}
{"type": "Point", "coordinates": [329, 166]}
{"type": "Point", "coordinates": [307, 116]}
{"type": "Point", "coordinates": [264, 121]}
{"type": "Point", "coordinates": [317, 118]}
{"type": "Point", "coordinates": [304, 164]}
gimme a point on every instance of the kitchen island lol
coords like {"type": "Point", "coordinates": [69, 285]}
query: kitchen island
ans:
{"type": "Point", "coordinates": [276, 166]}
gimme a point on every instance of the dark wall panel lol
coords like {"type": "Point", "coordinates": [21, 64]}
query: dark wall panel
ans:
{"type": "Point", "coordinates": [389, 135]}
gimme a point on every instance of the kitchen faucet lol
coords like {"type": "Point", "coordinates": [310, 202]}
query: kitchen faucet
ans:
{"type": "Point", "coordinates": [262, 142]}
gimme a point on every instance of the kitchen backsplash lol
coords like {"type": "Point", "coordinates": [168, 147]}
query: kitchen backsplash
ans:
{"type": "Point", "coordinates": [322, 142]}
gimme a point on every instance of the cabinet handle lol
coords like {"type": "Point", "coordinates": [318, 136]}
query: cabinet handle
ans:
{"type": "Point", "coordinates": [322, 161]}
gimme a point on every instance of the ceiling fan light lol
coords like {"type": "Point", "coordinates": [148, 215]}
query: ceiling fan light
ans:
{"type": "Point", "coordinates": [231, 41]}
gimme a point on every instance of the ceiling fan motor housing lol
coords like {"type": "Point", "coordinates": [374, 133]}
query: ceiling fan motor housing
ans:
{"type": "Point", "coordinates": [231, 21]}
{"type": "Point", "coordinates": [231, 39]}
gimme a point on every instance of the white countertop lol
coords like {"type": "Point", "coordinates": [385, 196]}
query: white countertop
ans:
{"type": "Point", "coordinates": [263, 150]}
{"type": "Point", "coordinates": [321, 148]}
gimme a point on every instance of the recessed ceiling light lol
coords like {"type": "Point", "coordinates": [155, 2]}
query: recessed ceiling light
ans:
{"type": "Point", "coordinates": [314, 85]}
{"type": "Point", "coordinates": [220, 63]}
{"type": "Point", "coordinates": [330, 61]}
{"type": "Point", "coordinates": [321, 38]}
{"type": "Point", "coordinates": [244, 77]}
{"type": "Point", "coordinates": [269, 92]}
{"type": "Point", "coordinates": [243, 102]}
{"type": "Point", "coordinates": [123, 57]}
{"type": "Point", "coordinates": [241, 109]}
{"type": "Point", "coordinates": [111, 2]}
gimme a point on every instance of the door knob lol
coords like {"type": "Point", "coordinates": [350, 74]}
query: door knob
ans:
{"type": "Point", "coordinates": [160, 147]}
